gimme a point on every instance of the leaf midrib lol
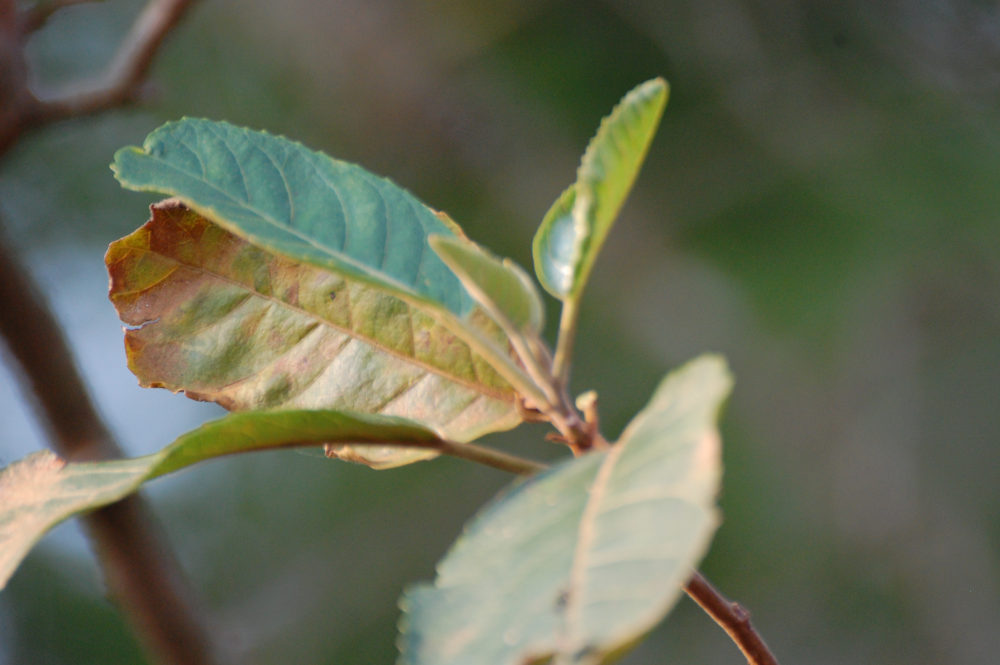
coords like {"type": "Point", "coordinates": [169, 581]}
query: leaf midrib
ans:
{"type": "Point", "coordinates": [278, 224]}
{"type": "Point", "coordinates": [581, 554]}
{"type": "Point", "coordinates": [479, 388]}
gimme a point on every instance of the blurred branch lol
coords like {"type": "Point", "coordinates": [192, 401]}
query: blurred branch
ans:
{"type": "Point", "coordinates": [35, 17]}
{"type": "Point", "coordinates": [733, 618]}
{"type": "Point", "coordinates": [120, 85]}
{"type": "Point", "coordinates": [8, 13]}
{"type": "Point", "coordinates": [141, 572]}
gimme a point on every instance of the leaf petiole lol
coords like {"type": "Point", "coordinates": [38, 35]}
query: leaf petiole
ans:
{"type": "Point", "coordinates": [491, 457]}
{"type": "Point", "coordinates": [568, 321]}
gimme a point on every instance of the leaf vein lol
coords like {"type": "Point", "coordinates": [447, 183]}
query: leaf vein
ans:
{"type": "Point", "coordinates": [400, 393]}
{"type": "Point", "coordinates": [477, 386]}
{"type": "Point", "coordinates": [332, 252]}
{"type": "Point", "coordinates": [289, 203]}
{"type": "Point", "coordinates": [585, 541]}
{"type": "Point", "coordinates": [236, 160]}
{"type": "Point", "coordinates": [197, 156]}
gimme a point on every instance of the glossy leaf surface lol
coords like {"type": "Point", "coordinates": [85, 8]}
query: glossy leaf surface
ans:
{"type": "Point", "coordinates": [555, 247]}
{"type": "Point", "coordinates": [283, 197]}
{"type": "Point", "coordinates": [571, 234]}
{"type": "Point", "coordinates": [231, 322]}
{"type": "Point", "coordinates": [41, 490]}
{"type": "Point", "coordinates": [577, 563]}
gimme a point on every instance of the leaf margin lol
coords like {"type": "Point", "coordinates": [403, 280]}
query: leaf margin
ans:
{"type": "Point", "coordinates": [280, 429]}
{"type": "Point", "coordinates": [454, 646]}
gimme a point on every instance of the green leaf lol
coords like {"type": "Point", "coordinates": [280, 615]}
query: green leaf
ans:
{"type": "Point", "coordinates": [555, 246]}
{"type": "Point", "coordinates": [499, 285]}
{"type": "Point", "coordinates": [573, 231]}
{"type": "Point", "coordinates": [231, 322]}
{"type": "Point", "coordinates": [283, 197]}
{"type": "Point", "coordinates": [577, 563]}
{"type": "Point", "coordinates": [41, 490]}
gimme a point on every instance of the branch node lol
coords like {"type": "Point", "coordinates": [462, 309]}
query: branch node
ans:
{"type": "Point", "coordinates": [733, 618]}
{"type": "Point", "coordinates": [740, 613]}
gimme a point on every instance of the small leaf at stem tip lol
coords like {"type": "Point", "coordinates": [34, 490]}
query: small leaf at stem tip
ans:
{"type": "Point", "coordinates": [42, 490]}
{"type": "Point", "coordinates": [500, 286]}
{"type": "Point", "coordinates": [574, 229]}
{"type": "Point", "coordinates": [579, 562]}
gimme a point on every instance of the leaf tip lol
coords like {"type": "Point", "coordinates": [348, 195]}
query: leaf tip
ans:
{"type": "Point", "coordinates": [119, 157]}
{"type": "Point", "coordinates": [655, 92]}
{"type": "Point", "coordinates": [659, 86]}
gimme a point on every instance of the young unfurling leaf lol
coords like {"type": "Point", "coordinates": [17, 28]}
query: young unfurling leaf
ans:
{"type": "Point", "coordinates": [573, 231]}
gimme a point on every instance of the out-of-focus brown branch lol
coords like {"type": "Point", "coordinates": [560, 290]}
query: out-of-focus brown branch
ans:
{"type": "Point", "coordinates": [733, 618]}
{"type": "Point", "coordinates": [120, 85]}
{"type": "Point", "coordinates": [140, 569]}
{"type": "Point", "coordinates": [8, 13]}
{"type": "Point", "coordinates": [36, 16]}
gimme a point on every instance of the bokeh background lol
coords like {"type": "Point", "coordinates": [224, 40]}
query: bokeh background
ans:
{"type": "Point", "coordinates": [821, 205]}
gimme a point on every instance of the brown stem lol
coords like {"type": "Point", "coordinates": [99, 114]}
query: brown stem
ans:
{"type": "Point", "coordinates": [141, 573]}
{"type": "Point", "coordinates": [733, 618]}
{"type": "Point", "coordinates": [140, 570]}
{"type": "Point", "coordinates": [8, 15]}
{"type": "Point", "coordinates": [121, 84]}
{"type": "Point", "coordinates": [13, 75]}
{"type": "Point", "coordinates": [35, 17]}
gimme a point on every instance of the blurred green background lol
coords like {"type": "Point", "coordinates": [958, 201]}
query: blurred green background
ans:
{"type": "Point", "coordinates": [821, 205]}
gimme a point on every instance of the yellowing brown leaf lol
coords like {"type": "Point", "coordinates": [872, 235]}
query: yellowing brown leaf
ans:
{"type": "Point", "coordinates": [223, 320]}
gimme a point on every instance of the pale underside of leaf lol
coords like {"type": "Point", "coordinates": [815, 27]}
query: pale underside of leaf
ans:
{"type": "Point", "coordinates": [577, 563]}
{"type": "Point", "coordinates": [41, 490]}
{"type": "Point", "coordinates": [229, 322]}
{"type": "Point", "coordinates": [289, 199]}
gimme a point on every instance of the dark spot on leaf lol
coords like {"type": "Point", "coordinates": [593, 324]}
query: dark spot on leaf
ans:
{"type": "Point", "coordinates": [333, 295]}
